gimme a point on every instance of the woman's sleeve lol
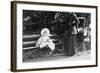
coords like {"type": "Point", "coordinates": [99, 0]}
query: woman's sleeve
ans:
{"type": "Point", "coordinates": [38, 42]}
{"type": "Point", "coordinates": [51, 44]}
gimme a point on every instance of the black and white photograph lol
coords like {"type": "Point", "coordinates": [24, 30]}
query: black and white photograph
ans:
{"type": "Point", "coordinates": [49, 35]}
{"type": "Point", "coordinates": [53, 36]}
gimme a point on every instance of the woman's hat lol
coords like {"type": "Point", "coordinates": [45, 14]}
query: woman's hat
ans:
{"type": "Point", "coordinates": [45, 30]}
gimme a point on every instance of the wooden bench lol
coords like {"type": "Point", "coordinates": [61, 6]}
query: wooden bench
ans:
{"type": "Point", "coordinates": [29, 42]}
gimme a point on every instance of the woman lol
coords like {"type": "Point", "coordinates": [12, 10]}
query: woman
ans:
{"type": "Point", "coordinates": [44, 43]}
{"type": "Point", "coordinates": [70, 39]}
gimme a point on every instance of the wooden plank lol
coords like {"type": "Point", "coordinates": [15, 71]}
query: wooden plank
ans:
{"type": "Point", "coordinates": [35, 35]}
{"type": "Point", "coordinates": [29, 42]}
{"type": "Point", "coordinates": [30, 47]}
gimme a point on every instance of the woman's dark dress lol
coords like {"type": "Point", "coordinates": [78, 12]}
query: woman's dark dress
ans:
{"type": "Point", "coordinates": [42, 52]}
{"type": "Point", "coordinates": [69, 44]}
{"type": "Point", "coordinates": [69, 38]}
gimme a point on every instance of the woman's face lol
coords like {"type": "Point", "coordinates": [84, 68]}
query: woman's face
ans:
{"type": "Point", "coordinates": [45, 33]}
